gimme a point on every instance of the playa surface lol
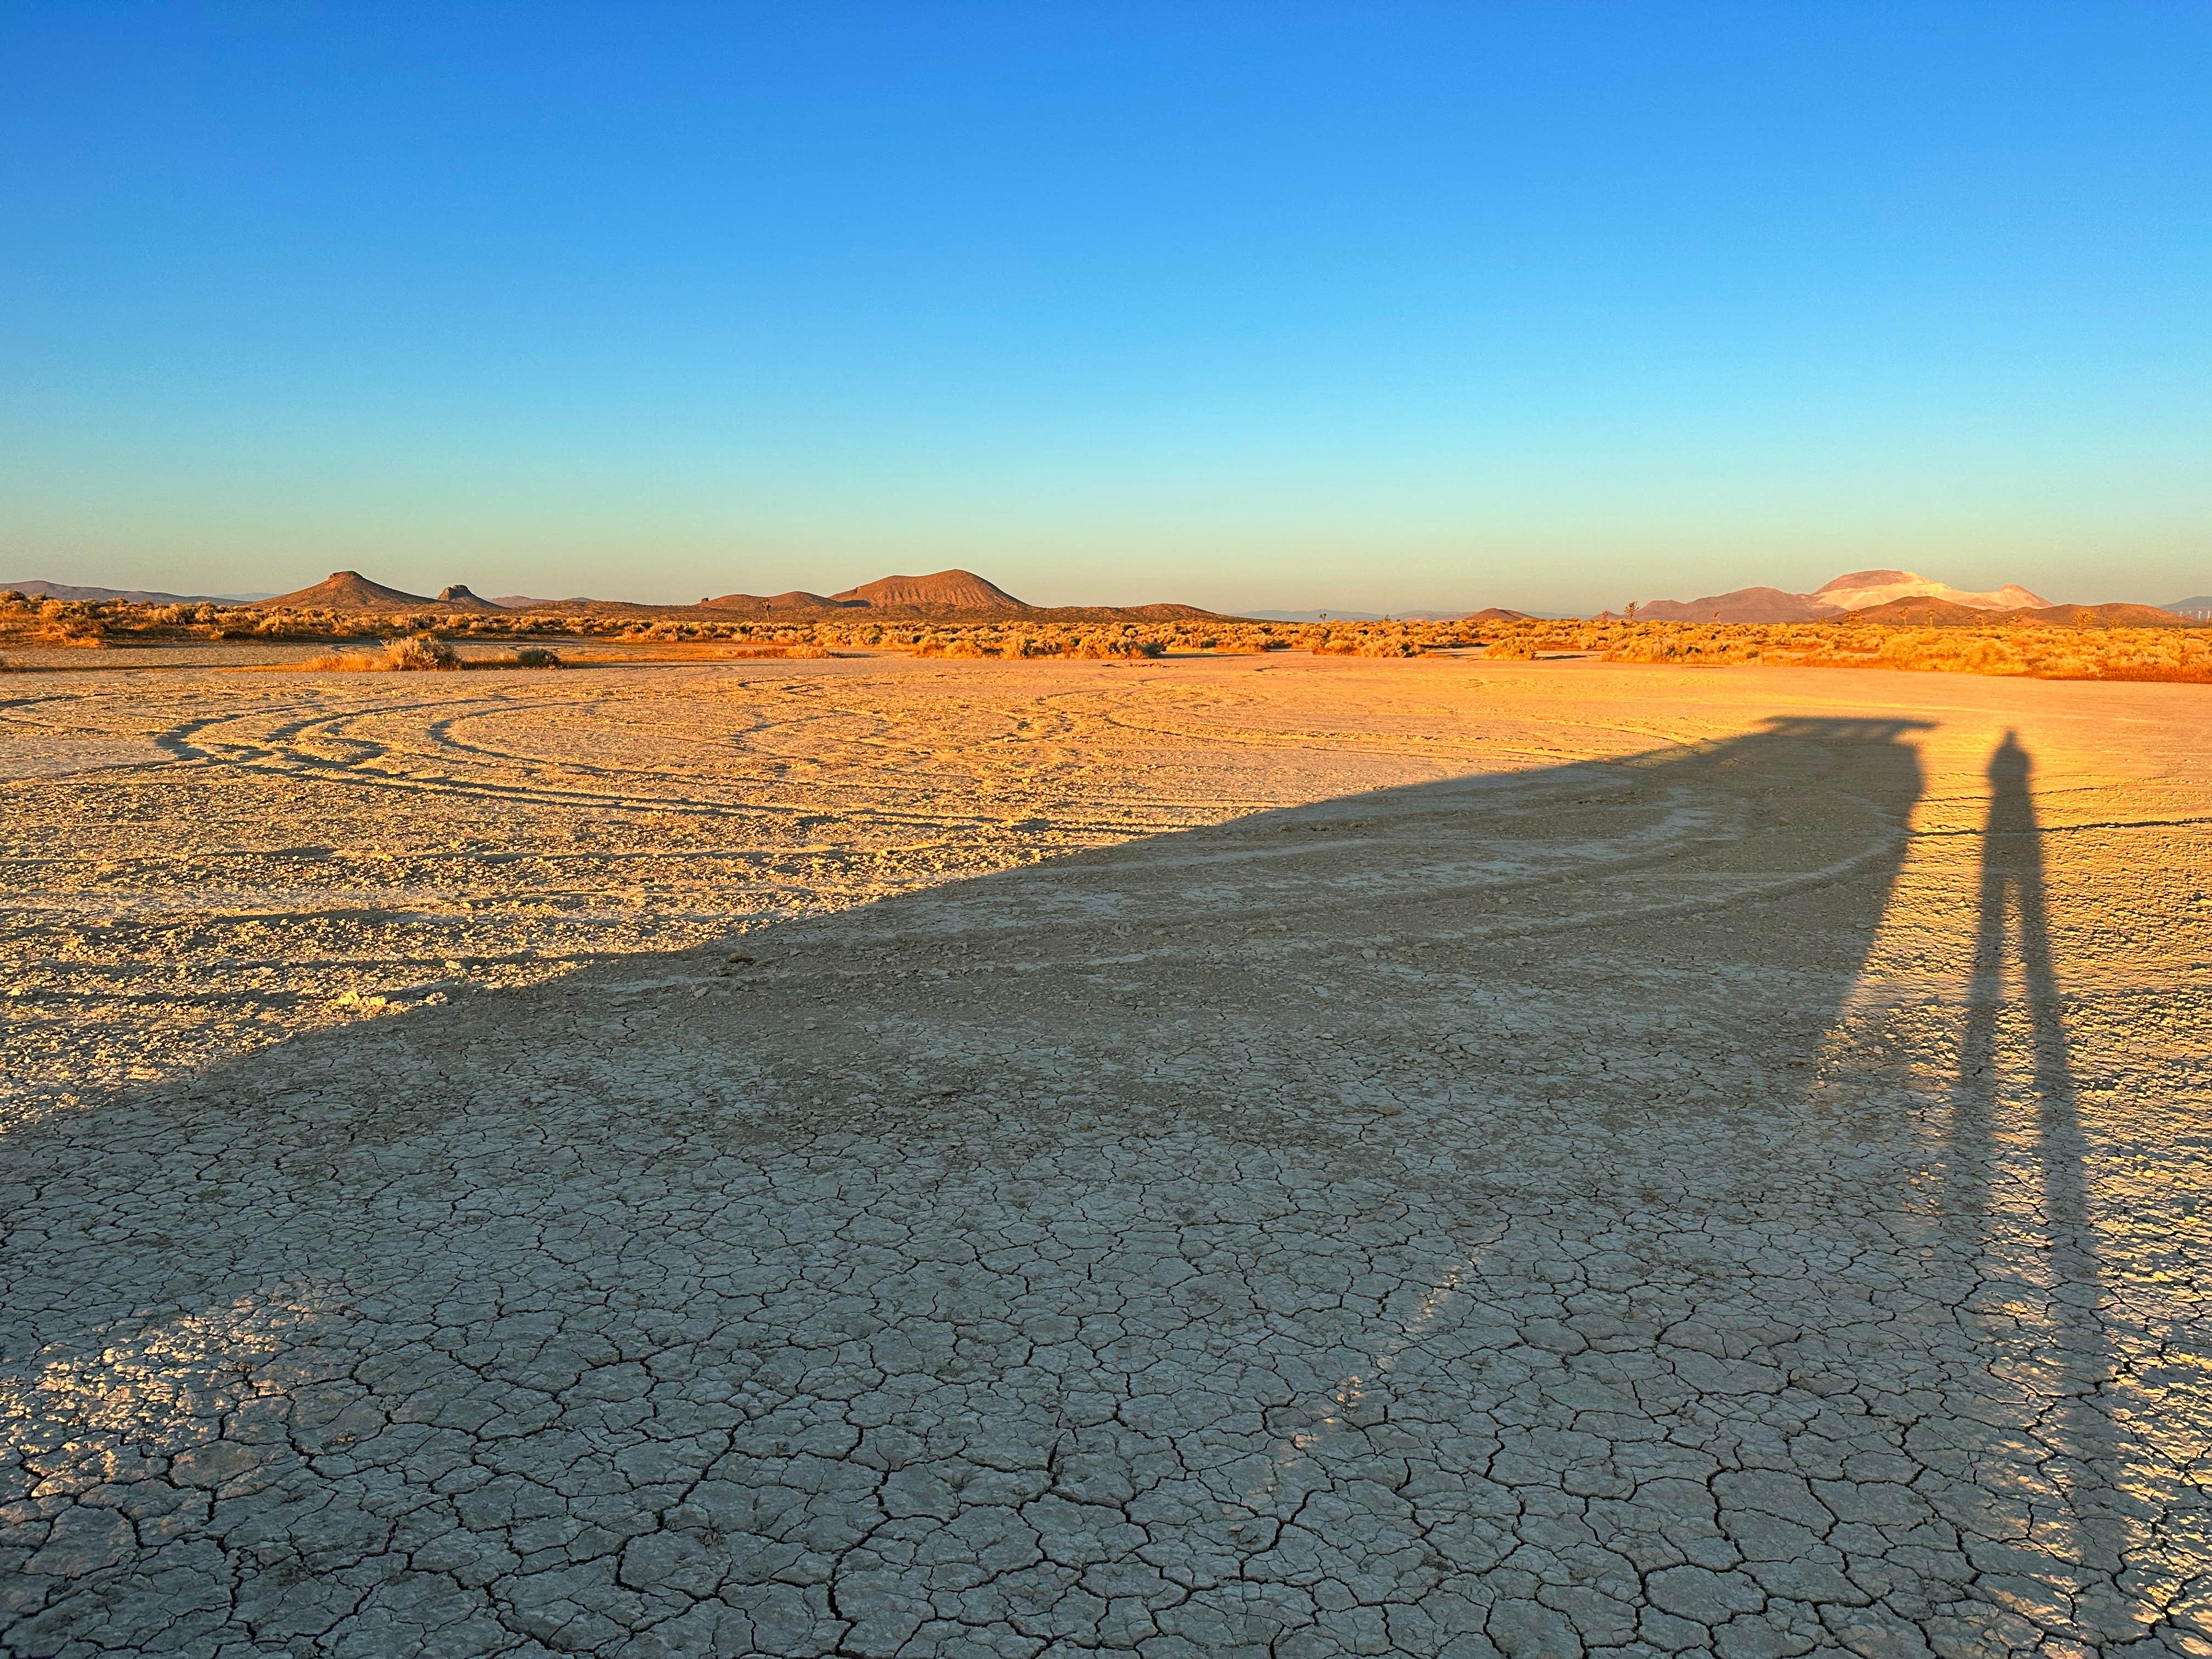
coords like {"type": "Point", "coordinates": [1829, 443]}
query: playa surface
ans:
{"type": "Point", "coordinates": [1245, 1155]}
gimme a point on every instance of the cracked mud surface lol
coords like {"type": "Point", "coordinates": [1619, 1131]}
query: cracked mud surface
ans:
{"type": "Point", "coordinates": [1284, 1158]}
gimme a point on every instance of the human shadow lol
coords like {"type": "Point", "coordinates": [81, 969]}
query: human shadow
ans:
{"type": "Point", "coordinates": [1407, 1223]}
{"type": "Point", "coordinates": [2053, 1506]}
{"type": "Point", "coordinates": [2012, 892]}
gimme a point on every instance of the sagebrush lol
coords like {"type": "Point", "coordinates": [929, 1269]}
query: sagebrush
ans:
{"type": "Point", "coordinates": [2045, 651]}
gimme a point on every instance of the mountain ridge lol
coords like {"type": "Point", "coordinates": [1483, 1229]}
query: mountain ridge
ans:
{"type": "Point", "coordinates": [1862, 588]}
{"type": "Point", "coordinates": [955, 594]}
{"type": "Point", "coordinates": [962, 590]}
{"type": "Point", "coordinates": [39, 588]}
{"type": "Point", "coordinates": [348, 590]}
{"type": "Point", "coordinates": [1745, 604]}
{"type": "Point", "coordinates": [942, 596]}
{"type": "Point", "coordinates": [1852, 593]}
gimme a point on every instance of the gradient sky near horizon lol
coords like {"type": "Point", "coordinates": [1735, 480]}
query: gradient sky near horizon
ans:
{"type": "Point", "coordinates": [1369, 306]}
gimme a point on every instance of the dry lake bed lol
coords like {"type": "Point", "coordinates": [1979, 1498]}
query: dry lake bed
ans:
{"type": "Point", "coordinates": [1253, 1155]}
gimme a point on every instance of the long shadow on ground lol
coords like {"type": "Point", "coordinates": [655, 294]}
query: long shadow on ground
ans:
{"type": "Point", "coordinates": [1415, 1224]}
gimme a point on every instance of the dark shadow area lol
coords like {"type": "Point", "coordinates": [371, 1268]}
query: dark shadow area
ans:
{"type": "Point", "coordinates": [1411, 1223]}
{"type": "Point", "coordinates": [2018, 1202]}
{"type": "Point", "coordinates": [2013, 901]}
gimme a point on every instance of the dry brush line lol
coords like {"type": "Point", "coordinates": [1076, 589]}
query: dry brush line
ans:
{"type": "Point", "coordinates": [2042, 650]}
{"type": "Point", "coordinates": [420, 654]}
{"type": "Point", "coordinates": [1016, 646]}
{"type": "Point", "coordinates": [2037, 651]}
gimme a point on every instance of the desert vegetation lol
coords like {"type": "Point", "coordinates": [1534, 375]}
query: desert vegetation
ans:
{"type": "Point", "coordinates": [413, 653]}
{"type": "Point", "coordinates": [2042, 652]}
{"type": "Point", "coordinates": [419, 651]}
{"type": "Point", "coordinates": [409, 640]}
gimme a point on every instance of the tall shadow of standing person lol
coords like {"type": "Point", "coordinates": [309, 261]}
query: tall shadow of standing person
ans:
{"type": "Point", "coordinates": [2050, 1501]}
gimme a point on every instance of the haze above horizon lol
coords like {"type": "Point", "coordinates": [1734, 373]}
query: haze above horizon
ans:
{"type": "Point", "coordinates": [1295, 307]}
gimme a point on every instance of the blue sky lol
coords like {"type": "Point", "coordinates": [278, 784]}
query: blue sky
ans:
{"type": "Point", "coordinates": [1369, 305]}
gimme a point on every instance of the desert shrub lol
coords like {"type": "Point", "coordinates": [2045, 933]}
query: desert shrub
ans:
{"type": "Point", "coordinates": [536, 656]}
{"type": "Point", "coordinates": [70, 621]}
{"type": "Point", "coordinates": [1970, 654]}
{"type": "Point", "coordinates": [419, 650]}
{"type": "Point", "coordinates": [2042, 650]}
{"type": "Point", "coordinates": [1700, 643]}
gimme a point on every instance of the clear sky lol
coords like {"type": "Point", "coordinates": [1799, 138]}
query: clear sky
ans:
{"type": "Point", "coordinates": [1367, 305]}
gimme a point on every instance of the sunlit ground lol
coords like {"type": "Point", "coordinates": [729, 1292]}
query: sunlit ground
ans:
{"type": "Point", "coordinates": [1286, 1156]}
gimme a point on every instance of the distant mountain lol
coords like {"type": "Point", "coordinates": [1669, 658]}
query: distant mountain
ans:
{"type": "Point", "coordinates": [349, 590]}
{"type": "Point", "coordinates": [797, 599]}
{"type": "Point", "coordinates": [1745, 605]}
{"type": "Point", "coordinates": [945, 591]}
{"type": "Point", "coordinates": [1856, 594]}
{"type": "Point", "coordinates": [957, 590]}
{"type": "Point", "coordinates": [1862, 588]}
{"type": "Point", "coordinates": [45, 590]}
{"type": "Point", "coordinates": [945, 596]}
{"type": "Point", "coordinates": [1124, 613]}
{"type": "Point", "coordinates": [458, 598]}
{"type": "Point", "coordinates": [1491, 613]}
{"type": "Point", "coordinates": [2196, 609]}
{"type": "Point", "coordinates": [1487, 614]}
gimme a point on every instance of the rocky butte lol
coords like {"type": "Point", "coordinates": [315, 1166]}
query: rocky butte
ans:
{"type": "Point", "coordinates": [1900, 596]}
